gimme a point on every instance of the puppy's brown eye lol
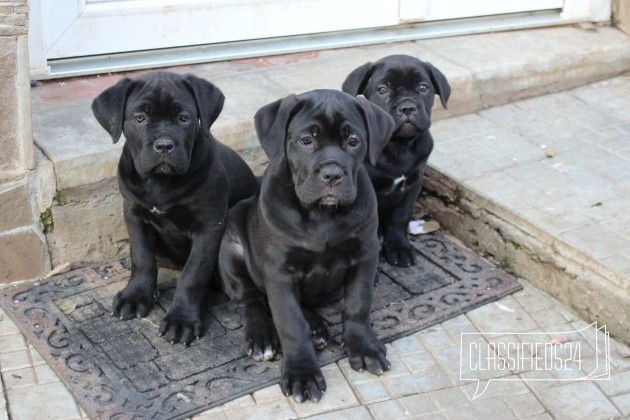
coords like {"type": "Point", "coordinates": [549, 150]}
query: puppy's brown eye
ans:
{"type": "Point", "coordinates": [353, 142]}
{"type": "Point", "coordinates": [306, 141]}
{"type": "Point", "coordinates": [184, 118]}
{"type": "Point", "coordinates": [423, 88]}
{"type": "Point", "coordinates": [383, 90]}
{"type": "Point", "coordinates": [139, 119]}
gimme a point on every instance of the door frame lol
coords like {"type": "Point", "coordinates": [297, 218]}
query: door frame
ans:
{"type": "Point", "coordinates": [573, 11]}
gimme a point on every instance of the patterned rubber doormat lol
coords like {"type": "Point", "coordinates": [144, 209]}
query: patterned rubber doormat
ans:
{"type": "Point", "coordinates": [122, 369]}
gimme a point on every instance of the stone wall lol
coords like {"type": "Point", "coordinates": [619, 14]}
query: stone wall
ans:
{"type": "Point", "coordinates": [23, 250]}
{"type": "Point", "coordinates": [621, 15]}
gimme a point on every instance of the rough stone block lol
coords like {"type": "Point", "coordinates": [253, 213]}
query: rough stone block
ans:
{"type": "Point", "coordinates": [23, 255]}
{"type": "Point", "coordinates": [87, 224]}
{"type": "Point", "coordinates": [14, 204]}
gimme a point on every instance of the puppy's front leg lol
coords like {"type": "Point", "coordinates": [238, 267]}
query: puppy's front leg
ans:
{"type": "Point", "coordinates": [397, 248]}
{"type": "Point", "coordinates": [183, 319]}
{"type": "Point", "coordinates": [136, 299]}
{"type": "Point", "coordinates": [301, 374]}
{"type": "Point", "coordinates": [365, 351]}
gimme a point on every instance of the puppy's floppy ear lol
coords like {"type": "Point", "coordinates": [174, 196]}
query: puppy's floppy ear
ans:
{"type": "Point", "coordinates": [380, 127]}
{"type": "Point", "coordinates": [109, 107]}
{"type": "Point", "coordinates": [209, 100]}
{"type": "Point", "coordinates": [442, 88]}
{"type": "Point", "coordinates": [357, 79]}
{"type": "Point", "coordinates": [271, 124]}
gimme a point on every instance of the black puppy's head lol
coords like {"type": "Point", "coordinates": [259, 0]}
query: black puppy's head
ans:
{"type": "Point", "coordinates": [324, 136]}
{"type": "Point", "coordinates": [404, 87]}
{"type": "Point", "coordinates": [161, 115]}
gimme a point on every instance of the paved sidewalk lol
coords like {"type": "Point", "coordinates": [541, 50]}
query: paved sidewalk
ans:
{"type": "Point", "coordinates": [424, 381]}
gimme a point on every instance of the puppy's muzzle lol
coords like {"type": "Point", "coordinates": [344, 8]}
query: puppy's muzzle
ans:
{"type": "Point", "coordinates": [407, 109]}
{"type": "Point", "coordinates": [164, 146]}
{"type": "Point", "coordinates": [331, 174]}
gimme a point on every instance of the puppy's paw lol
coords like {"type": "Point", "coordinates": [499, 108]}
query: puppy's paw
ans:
{"type": "Point", "coordinates": [319, 332]}
{"type": "Point", "coordinates": [369, 356]}
{"type": "Point", "coordinates": [181, 326]}
{"type": "Point", "coordinates": [303, 382]}
{"type": "Point", "coordinates": [261, 340]}
{"type": "Point", "coordinates": [399, 252]}
{"type": "Point", "coordinates": [134, 301]}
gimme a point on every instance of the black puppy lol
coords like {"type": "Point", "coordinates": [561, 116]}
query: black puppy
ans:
{"type": "Point", "coordinates": [177, 182]}
{"type": "Point", "coordinates": [310, 236]}
{"type": "Point", "coordinates": [404, 87]}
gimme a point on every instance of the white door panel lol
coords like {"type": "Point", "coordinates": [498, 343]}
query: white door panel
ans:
{"type": "Point", "coordinates": [98, 27]}
{"type": "Point", "coordinates": [427, 10]}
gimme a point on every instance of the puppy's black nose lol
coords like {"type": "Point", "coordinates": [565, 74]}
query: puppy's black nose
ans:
{"type": "Point", "coordinates": [164, 146]}
{"type": "Point", "coordinates": [331, 174]}
{"type": "Point", "coordinates": [407, 109]}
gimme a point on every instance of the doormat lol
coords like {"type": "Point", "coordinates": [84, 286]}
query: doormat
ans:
{"type": "Point", "coordinates": [122, 369]}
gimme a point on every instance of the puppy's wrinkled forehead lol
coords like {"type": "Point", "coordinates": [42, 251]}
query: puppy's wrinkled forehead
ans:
{"type": "Point", "coordinates": [327, 112]}
{"type": "Point", "coordinates": [161, 94]}
{"type": "Point", "coordinates": [407, 76]}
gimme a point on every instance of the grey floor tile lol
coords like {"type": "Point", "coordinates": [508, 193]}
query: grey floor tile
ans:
{"type": "Point", "coordinates": [525, 405]}
{"type": "Point", "coordinates": [561, 401]}
{"type": "Point", "coordinates": [354, 413]}
{"type": "Point", "coordinates": [270, 410]}
{"type": "Point", "coordinates": [387, 410]}
{"type": "Point", "coordinates": [50, 401]}
{"type": "Point", "coordinates": [622, 402]}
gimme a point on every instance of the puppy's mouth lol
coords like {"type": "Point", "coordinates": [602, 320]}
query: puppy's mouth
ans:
{"type": "Point", "coordinates": [407, 129]}
{"type": "Point", "coordinates": [164, 168]}
{"type": "Point", "coordinates": [329, 200]}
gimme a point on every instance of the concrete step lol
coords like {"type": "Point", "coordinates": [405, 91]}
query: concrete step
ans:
{"type": "Point", "coordinates": [484, 71]}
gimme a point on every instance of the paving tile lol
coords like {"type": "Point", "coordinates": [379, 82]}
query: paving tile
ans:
{"type": "Point", "coordinates": [496, 389]}
{"type": "Point", "coordinates": [44, 375]}
{"type": "Point", "coordinates": [7, 326]}
{"type": "Point", "coordinates": [525, 405]}
{"type": "Point", "coordinates": [19, 378]}
{"type": "Point", "coordinates": [14, 360]}
{"type": "Point", "coordinates": [561, 401]}
{"type": "Point", "coordinates": [372, 391]}
{"type": "Point", "coordinates": [339, 395]}
{"type": "Point", "coordinates": [271, 393]}
{"type": "Point", "coordinates": [210, 415]}
{"type": "Point", "coordinates": [387, 410]}
{"type": "Point", "coordinates": [449, 398]}
{"type": "Point", "coordinates": [429, 380]}
{"type": "Point", "coordinates": [50, 401]}
{"type": "Point", "coordinates": [436, 337]}
{"type": "Point", "coordinates": [354, 413]}
{"type": "Point", "coordinates": [619, 383]}
{"type": "Point", "coordinates": [513, 318]}
{"type": "Point", "coordinates": [419, 404]}
{"type": "Point", "coordinates": [36, 358]}
{"type": "Point", "coordinates": [496, 409]}
{"type": "Point", "coordinates": [270, 410]}
{"type": "Point", "coordinates": [12, 342]}
{"type": "Point", "coordinates": [622, 402]}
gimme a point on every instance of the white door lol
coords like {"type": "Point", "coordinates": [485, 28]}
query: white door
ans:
{"type": "Point", "coordinates": [116, 32]}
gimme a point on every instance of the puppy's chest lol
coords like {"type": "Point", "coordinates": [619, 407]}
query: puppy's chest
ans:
{"type": "Point", "coordinates": [321, 271]}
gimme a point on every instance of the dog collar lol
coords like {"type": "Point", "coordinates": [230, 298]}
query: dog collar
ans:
{"type": "Point", "coordinates": [156, 212]}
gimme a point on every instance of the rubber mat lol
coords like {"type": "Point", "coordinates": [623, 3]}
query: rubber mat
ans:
{"type": "Point", "coordinates": [122, 369]}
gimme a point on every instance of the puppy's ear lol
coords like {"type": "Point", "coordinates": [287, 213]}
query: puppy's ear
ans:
{"type": "Point", "coordinates": [271, 123]}
{"type": "Point", "coordinates": [442, 88]}
{"type": "Point", "coordinates": [109, 107]}
{"type": "Point", "coordinates": [209, 100]}
{"type": "Point", "coordinates": [380, 127]}
{"type": "Point", "coordinates": [357, 79]}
